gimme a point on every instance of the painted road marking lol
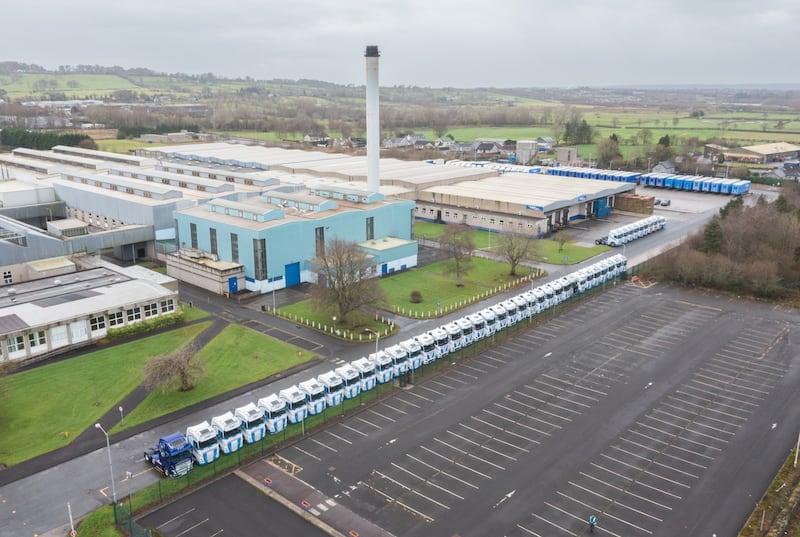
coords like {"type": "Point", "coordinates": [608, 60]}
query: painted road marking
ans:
{"type": "Point", "coordinates": [672, 445]}
{"type": "Point", "coordinates": [516, 423]}
{"type": "Point", "coordinates": [354, 430]}
{"type": "Point", "coordinates": [439, 471]}
{"type": "Point", "coordinates": [427, 481]}
{"type": "Point", "coordinates": [493, 438]}
{"type": "Point", "coordinates": [420, 396]}
{"type": "Point", "coordinates": [506, 431]}
{"type": "Point", "coordinates": [452, 461]}
{"type": "Point", "coordinates": [401, 504]}
{"type": "Point", "coordinates": [306, 453]}
{"type": "Point", "coordinates": [536, 408]}
{"type": "Point", "coordinates": [409, 489]}
{"type": "Point", "coordinates": [395, 409]}
{"type": "Point", "coordinates": [626, 491]}
{"type": "Point", "coordinates": [359, 418]}
{"type": "Point", "coordinates": [631, 480]}
{"type": "Point", "coordinates": [523, 394]}
{"type": "Point", "coordinates": [613, 501]}
{"type": "Point", "coordinates": [534, 418]}
{"type": "Point", "coordinates": [339, 437]}
{"type": "Point", "coordinates": [173, 519]}
{"type": "Point", "coordinates": [481, 446]}
{"type": "Point", "coordinates": [323, 445]}
{"type": "Point", "coordinates": [380, 415]}
{"type": "Point", "coordinates": [647, 472]}
{"type": "Point", "coordinates": [468, 454]}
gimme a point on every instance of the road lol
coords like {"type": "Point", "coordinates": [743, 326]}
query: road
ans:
{"type": "Point", "coordinates": [38, 503]}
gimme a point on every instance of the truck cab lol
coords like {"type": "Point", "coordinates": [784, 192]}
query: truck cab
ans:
{"type": "Point", "coordinates": [501, 315]}
{"type": "Point", "coordinates": [491, 320]}
{"type": "Point", "coordinates": [366, 373]}
{"type": "Point", "coordinates": [399, 359]}
{"type": "Point", "coordinates": [523, 312]}
{"type": "Point", "coordinates": [202, 441]}
{"type": "Point", "coordinates": [275, 413]}
{"type": "Point", "coordinates": [351, 380]}
{"type": "Point", "coordinates": [229, 432]}
{"type": "Point", "coordinates": [253, 426]}
{"type": "Point", "coordinates": [171, 456]}
{"type": "Point", "coordinates": [414, 352]}
{"type": "Point", "coordinates": [467, 331]}
{"type": "Point", "coordinates": [442, 341]}
{"type": "Point", "coordinates": [315, 396]}
{"type": "Point", "coordinates": [384, 368]}
{"type": "Point", "coordinates": [334, 387]}
{"type": "Point", "coordinates": [428, 345]}
{"type": "Point", "coordinates": [454, 334]}
{"type": "Point", "coordinates": [296, 404]}
{"type": "Point", "coordinates": [478, 326]}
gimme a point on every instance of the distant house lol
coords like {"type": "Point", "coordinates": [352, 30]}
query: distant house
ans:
{"type": "Point", "coordinates": [488, 149]}
{"type": "Point", "coordinates": [408, 140]}
{"type": "Point", "coordinates": [664, 167]}
{"type": "Point", "coordinates": [463, 148]}
{"type": "Point", "coordinates": [545, 143]}
{"type": "Point", "coordinates": [319, 141]}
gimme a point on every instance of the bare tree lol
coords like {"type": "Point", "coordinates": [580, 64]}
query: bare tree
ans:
{"type": "Point", "coordinates": [177, 371]}
{"type": "Point", "coordinates": [457, 242]}
{"type": "Point", "coordinates": [563, 238]}
{"type": "Point", "coordinates": [516, 247]}
{"type": "Point", "coordinates": [344, 279]}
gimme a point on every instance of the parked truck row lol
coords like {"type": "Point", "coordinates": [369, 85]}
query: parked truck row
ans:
{"type": "Point", "coordinates": [630, 232]}
{"type": "Point", "coordinates": [205, 442]}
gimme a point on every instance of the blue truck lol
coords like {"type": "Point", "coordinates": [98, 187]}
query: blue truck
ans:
{"type": "Point", "coordinates": [171, 456]}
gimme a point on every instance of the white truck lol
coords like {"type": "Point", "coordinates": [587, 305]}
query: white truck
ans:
{"type": "Point", "coordinates": [351, 379]}
{"type": "Point", "coordinates": [366, 373]}
{"type": "Point", "coordinates": [253, 426]}
{"type": "Point", "coordinates": [275, 413]}
{"type": "Point", "coordinates": [454, 335]}
{"type": "Point", "coordinates": [442, 342]}
{"type": "Point", "coordinates": [229, 432]}
{"type": "Point", "coordinates": [296, 404]}
{"type": "Point", "coordinates": [203, 443]}
{"type": "Point", "coordinates": [384, 368]}
{"type": "Point", "coordinates": [414, 353]}
{"type": "Point", "coordinates": [315, 396]}
{"type": "Point", "coordinates": [478, 326]}
{"type": "Point", "coordinates": [428, 345]}
{"type": "Point", "coordinates": [467, 331]}
{"type": "Point", "coordinates": [334, 388]}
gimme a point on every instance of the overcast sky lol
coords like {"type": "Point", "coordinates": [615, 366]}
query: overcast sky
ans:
{"type": "Point", "coordinates": [433, 43]}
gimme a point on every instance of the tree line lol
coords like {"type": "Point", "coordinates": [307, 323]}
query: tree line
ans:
{"type": "Point", "coordinates": [43, 139]}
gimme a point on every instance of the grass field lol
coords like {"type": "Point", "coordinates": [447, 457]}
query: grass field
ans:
{"type": "Point", "coordinates": [48, 406]}
{"type": "Point", "coordinates": [122, 146]}
{"type": "Point", "coordinates": [236, 357]}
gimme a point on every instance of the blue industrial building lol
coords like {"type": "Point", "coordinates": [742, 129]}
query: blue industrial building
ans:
{"type": "Point", "coordinates": [276, 236]}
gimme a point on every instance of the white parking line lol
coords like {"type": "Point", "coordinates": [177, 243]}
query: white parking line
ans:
{"type": "Point", "coordinates": [561, 397]}
{"type": "Point", "coordinates": [481, 362]}
{"type": "Point", "coordinates": [661, 452]}
{"type": "Point", "coordinates": [704, 411]}
{"type": "Point", "coordinates": [518, 424]}
{"type": "Point", "coordinates": [442, 384]}
{"type": "Point", "coordinates": [681, 438]}
{"type": "Point", "coordinates": [468, 454]}
{"type": "Point", "coordinates": [671, 445]}
{"type": "Point", "coordinates": [324, 445]}
{"type": "Point", "coordinates": [380, 415]}
{"type": "Point", "coordinates": [715, 402]}
{"type": "Point", "coordinates": [478, 444]}
{"type": "Point", "coordinates": [459, 372]}
{"type": "Point", "coordinates": [409, 489]}
{"type": "Point", "coordinates": [565, 530]}
{"type": "Point", "coordinates": [473, 368]}
{"type": "Point", "coordinates": [651, 417]}
{"type": "Point", "coordinates": [453, 461]}
{"type": "Point", "coordinates": [529, 532]}
{"type": "Point", "coordinates": [724, 368]}
{"type": "Point", "coordinates": [359, 418]}
{"type": "Point", "coordinates": [636, 481]}
{"type": "Point", "coordinates": [494, 438]}
{"type": "Point", "coordinates": [536, 408]}
{"type": "Point", "coordinates": [187, 530]}
{"type": "Point", "coordinates": [523, 394]}
{"type": "Point", "coordinates": [339, 437]}
{"type": "Point", "coordinates": [505, 431]}
{"type": "Point", "coordinates": [439, 471]}
{"type": "Point", "coordinates": [420, 386]}
{"type": "Point", "coordinates": [427, 481]}
{"type": "Point", "coordinates": [173, 519]}
{"type": "Point", "coordinates": [391, 499]}
{"type": "Point", "coordinates": [776, 371]}
{"type": "Point", "coordinates": [354, 430]}
{"type": "Point", "coordinates": [577, 517]}
{"type": "Point", "coordinates": [490, 356]}
{"type": "Point", "coordinates": [694, 420]}
{"type": "Point", "coordinates": [387, 405]}
{"type": "Point", "coordinates": [534, 418]}
{"type": "Point", "coordinates": [653, 461]}
{"type": "Point", "coordinates": [731, 383]}
{"type": "Point", "coordinates": [626, 491]}
{"type": "Point", "coordinates": [304, 452]}
{"type": "Point", "coordinates": [588, 389]}
{"type": "Point", "coordinates": [606, 514]}
{"type": "Point", "coordinates": [409, 403]}
{"type": "Point", "coordinates": [725, 391]}
{"type": "Point", "coordinates": [412, 392]}
{"type": "Point", "coordinates": [645, 471]}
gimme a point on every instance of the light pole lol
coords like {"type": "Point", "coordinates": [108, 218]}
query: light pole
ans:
{"type": "Point", "coordinates": [334, 324]}
{"type": "Point", "coordinates": [110, 468]}
{"type": "Point", "coordinates": [121, 415]}
{"type": "Point", "coordinates": [273, 295]}
{"type": "Point", "coordinates": [377, 338]}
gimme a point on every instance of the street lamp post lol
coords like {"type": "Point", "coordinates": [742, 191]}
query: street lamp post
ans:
{"type": "Point", "coordinates": [377, 338]}
{"type": "Point", "coordinates": [110, 467]}
{"type": "Point", "coordinates": [121, 415]}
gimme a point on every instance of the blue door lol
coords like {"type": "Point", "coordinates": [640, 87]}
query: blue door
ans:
{"type": "Point", "coordinates": [292, 274]}
{"type": "Point", "coordinates": [233, 284]}
{"type": "Point", "coordinates": [384, 269]}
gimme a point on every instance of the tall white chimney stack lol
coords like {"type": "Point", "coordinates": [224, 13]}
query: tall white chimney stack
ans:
{"type": "Point", "coordinates": [373, 120]}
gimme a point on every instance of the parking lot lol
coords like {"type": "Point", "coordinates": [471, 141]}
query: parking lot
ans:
{"type": "Point", "coordinates": [623, 407]}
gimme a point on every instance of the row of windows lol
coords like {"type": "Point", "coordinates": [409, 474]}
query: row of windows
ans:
{"type": "Point", "coordinates": [492, 221]}
{"type": "Point", "coordinates": [39, 338]}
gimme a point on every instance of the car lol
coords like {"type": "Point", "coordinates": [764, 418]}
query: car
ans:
{"type": "Point", "coordinates": [666, 203]}
{"type": "Point", "coordinates": [657, 202]}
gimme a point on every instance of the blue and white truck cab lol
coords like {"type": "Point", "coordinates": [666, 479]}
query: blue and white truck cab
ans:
{"type": "Point", "coordinates": [428, 345]}
{"type": "Point", "coordinates": [203, 443]}
{"type": "Point", "coordinates": [351, 380]}
{"type": "Point", "coordinates": [399, 359]}
{"type": "Point", "coordinates": [467, 331]}
{"type": "Point", "coordinates": [491, 320]}
{"type": "Point", "coordinates": [334, 388]}
{"type": "Point", "coordinates": [414, 352]}
{"type": "Point", "coordinates": [253, 426]}
{"type": "Point", "coordinates": [315, 396]}
{"type": "Point", "coordinates": [366, 373]}
{"type": "Point", "coordinates": [384, 367]}
{"type": "Point", "coordinates": [229, 432]}
{"type": "Point", "coordinates": [454, 334]}
{"type": "Point", "coordinates": [442, 341]}
{"type": "Point", "coordinates": [478, 326]}
{"type": "Point", "coordinates": [296, 404]}
{"type": "Point", "coordinates": [275, 413]}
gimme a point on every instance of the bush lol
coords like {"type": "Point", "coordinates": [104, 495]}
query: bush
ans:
{"type": "Point", "coordinates": [145, 326]}
{"type": "Point", "coordinates": [416, 297]}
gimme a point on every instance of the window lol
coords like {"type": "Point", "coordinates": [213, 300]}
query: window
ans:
{"type": "Point", "coordinates": [447, 213]}
{"type": "Point", "coordinates": [167, 306]}
{"type": "Point", "coordinates": [491, 220]}
{"type": "Point", "coordinates": [455, 215]}
{"type": "Point", "coordinates": [370, 228]}
{"type": "Point", "coordinates": [234, 247]}
{"type": "Point", "coordinates": [97, 323]}
{"type": "Point", "coordinates": [115, 319]}
{"type": "Point", "coordinates": [319, 236]}
{"type": "Point", "coordinates": [7, 277]}
{"type": "Point", "coordinates": [193, 234]}
{"type": "Point", "coordinates": [37, 339]}
{"type": "Point", "coordinates": [134, 314]}
{"type": "Point", "coordinates": [213, 236]}
{"type": "Point", "coordinates": [150, 310]}
{"type": "Point", "coordinates": [260, 259]}
{"type": "Point", "coordinates": [14, 344]}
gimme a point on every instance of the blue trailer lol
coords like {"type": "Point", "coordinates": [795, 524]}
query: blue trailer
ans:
{"type": "Point", "coordinates": [669, 181]}
{"type": "Point", "coordinates": [740, 187]}
{"type": "Point", "coordinates": [677, 182]}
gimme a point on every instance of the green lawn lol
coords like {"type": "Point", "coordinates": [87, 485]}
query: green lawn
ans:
{"type": "Point", "coordinates": [46, 407]}
{"type": "Point", "coordinates": [237, 356]}
{"type": "Point", "coordinates": [122, 146]}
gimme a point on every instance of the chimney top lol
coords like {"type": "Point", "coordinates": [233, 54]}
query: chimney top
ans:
{"type": "Point", "coordinates": [372, 51]}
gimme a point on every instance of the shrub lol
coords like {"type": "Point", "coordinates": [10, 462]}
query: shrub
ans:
{"type": "Point", "coordinates": [416, 297]}
{"type": "Point", "coordinates": [145, 326]}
